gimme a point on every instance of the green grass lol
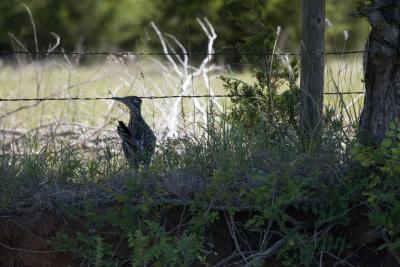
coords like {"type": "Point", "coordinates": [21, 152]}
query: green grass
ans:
{"type": "Point", "coordinates": [345, 74]}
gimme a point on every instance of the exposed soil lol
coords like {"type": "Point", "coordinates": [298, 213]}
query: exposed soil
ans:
{"type": "Point", "coordinates": [25, 241]}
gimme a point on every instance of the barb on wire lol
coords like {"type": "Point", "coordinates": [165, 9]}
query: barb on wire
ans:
{"type": "Point", "coordinates": [128, 53]}
{"type": "Point", "coordinates": [143, 97]}
{"type": "Point", "coordinates": [345, 93]}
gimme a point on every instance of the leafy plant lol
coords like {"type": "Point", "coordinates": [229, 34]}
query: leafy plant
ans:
{"type": "Point", "coordinates": [382, 189]}
{"type": "Point", "coordinates": [264, 105]}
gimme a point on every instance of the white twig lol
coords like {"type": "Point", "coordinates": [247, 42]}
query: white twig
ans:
{"type": "Point", "coordinates": [184, 73]}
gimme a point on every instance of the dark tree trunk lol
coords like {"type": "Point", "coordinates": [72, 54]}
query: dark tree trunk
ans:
{"type": "Point", "coordinates": [382, 71]}
{"type": "Point", "coordinates": [312, 66]}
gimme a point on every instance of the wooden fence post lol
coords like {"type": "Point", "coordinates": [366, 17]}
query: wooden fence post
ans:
{"type": "Point", "coordinates": [312, 67]}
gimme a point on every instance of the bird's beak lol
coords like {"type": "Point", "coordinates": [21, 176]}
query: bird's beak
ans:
{"type": "Point", "coordinates": [120, 99]}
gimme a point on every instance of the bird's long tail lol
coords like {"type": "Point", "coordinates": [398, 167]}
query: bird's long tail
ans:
{"type": "Point", "coordinates": [126, 134]}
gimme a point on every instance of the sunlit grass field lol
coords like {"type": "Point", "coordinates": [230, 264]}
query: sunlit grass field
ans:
{"type": "Point", "coordinates": [142, 76]}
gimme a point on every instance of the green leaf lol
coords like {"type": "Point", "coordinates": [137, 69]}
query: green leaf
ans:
{"type": "Point", "coordinates": [386, 143]}
{"type": "Point", "coordinates": [366, 162]}
{"type": "Point", "coordinates": [121, 198]}
{"type": "Point", "coordinates": [390, 133]}
{"type": "Point", "coordinates": [392, 125]}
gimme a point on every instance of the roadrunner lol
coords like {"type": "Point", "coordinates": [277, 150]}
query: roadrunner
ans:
{"type": "Point", "coordinates": [138, 140]}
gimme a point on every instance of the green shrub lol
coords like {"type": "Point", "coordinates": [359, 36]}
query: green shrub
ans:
{"type": "Point", "coordinates": [380, 176]}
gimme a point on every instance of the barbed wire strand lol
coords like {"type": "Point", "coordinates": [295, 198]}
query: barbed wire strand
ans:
{"type": "Point", "coordinates": [144, 97]}
{"type": "Point", "coordinates": [128, 53]}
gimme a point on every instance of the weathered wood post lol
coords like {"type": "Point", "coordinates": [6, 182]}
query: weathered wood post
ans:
{"type": "Point", "coordinates": [382, 71]}
{"type": "Point", "coordinates": [312, 67]}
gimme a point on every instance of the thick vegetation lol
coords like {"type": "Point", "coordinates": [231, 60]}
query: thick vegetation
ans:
{"type": "Point", "coordinates": [103, 25]}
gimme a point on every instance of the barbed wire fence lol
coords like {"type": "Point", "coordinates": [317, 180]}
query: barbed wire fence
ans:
{"type": "Point", "coordinates": [178, 60]}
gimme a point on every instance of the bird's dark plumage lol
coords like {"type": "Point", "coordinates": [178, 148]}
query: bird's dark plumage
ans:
{"type": "Point", "coordinates": [138, 140]}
